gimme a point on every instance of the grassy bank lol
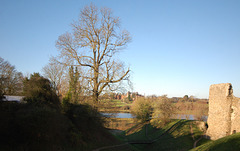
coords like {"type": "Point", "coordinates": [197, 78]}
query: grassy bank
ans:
{"type": "Point", "coordinates": [178, 139]}
{"type": "Point", "coordinates": [119, 123]}
{"type": "Point", "coordinates": [176, 135]}
{"type": "Point", "coordinates": [228, 143]}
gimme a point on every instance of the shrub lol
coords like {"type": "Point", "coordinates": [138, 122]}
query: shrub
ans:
{"type": "Point", "coordinates": [40, 127]}
{"type": "Point", "coordinates": [163, 112]}
{"type": "Point", "coordinates": [31, 127]}
{"type": "Point", "coordinates": [126, 107]}
{"type": "Point", "coordinates": [142, 109]}
{"type": "Point", "coordinates": [38, 89]}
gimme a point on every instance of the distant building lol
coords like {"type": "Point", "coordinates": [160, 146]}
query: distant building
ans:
{"type": "Point", "coordinates": [132, 95]}
{"type": "Point", "coordinates": [118, 96]}
{"type": "Point", "coordinates": [12, 98]}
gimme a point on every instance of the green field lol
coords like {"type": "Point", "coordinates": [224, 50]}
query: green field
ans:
{"type": "Point", "coordinates": [113, 106]}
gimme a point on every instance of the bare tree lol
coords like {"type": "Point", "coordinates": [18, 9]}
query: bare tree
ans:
{"type": "Point", "coordinates": [56, 73]}
{"type": "Point", "coordinates": [10, 79]}
{"type": "Point", "coordinates": [93, 43]}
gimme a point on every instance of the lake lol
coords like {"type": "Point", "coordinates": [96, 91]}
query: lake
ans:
{"type": "Point", "coordinates": [129, 115]}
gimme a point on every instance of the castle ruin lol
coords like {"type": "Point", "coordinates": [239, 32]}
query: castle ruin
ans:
{"type": "Point", "coordinates": [224, 111]}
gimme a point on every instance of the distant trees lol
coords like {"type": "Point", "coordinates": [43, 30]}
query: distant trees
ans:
{"type": "Point", "coordinates": [10, 79]}
{"type": "Point", "coordinates": [92, 45]}
{"type": "Point", "coordinates": [142, 109]}
{"type": "Point", "coordinates": [185, 98]}
{"type": "Point", "coordinates": [129, 98]}
{"type": "Point", "coordinates": [200, 112]}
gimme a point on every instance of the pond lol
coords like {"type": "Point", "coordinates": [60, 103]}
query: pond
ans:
{"type": "Point", "coordinates": [129, 115]}
{"type": "Point", "coordinates": [118, 115]}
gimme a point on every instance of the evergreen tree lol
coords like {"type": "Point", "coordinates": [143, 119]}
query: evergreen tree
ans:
{"type": "Point", "coordinates": [74, 85]}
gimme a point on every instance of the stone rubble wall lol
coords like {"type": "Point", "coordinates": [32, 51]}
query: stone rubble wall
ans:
{"type": "Point", "coordinates": [224, 111]}
{"type": "Point", "coordinates": [235, 115]}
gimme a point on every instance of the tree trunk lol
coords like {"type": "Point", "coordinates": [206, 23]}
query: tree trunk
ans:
{"type": "Point", "coordinates": [96, 85]}
{"type": "Point", "coordinates": [95, 96]}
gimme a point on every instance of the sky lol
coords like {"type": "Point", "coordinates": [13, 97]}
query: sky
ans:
{"type": "Point", "coordinates": [179, 47]}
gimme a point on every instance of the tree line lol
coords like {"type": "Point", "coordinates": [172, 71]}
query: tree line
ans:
{"type": "Point", "coordinates": [160, 110]}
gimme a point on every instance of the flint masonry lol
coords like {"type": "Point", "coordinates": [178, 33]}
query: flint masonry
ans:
{"type": "Point", "coordinates": [224, 111]}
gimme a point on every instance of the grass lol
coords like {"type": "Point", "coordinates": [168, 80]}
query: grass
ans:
{"type": "Point", "coordinates": [178, 139]}
{"type": "Point", "coordinates": [113, 106]}
{"type": "Point", "coordinates": [120, 103]}
{"type": "Point", "coordinates": [119, 123]}
{"type": "Point", "coordinates": [115, 102]}
{"type": "Point", "coordinates": [158, 132]}
{"type": "Point", "coordinates": [228, 143]}
{"type": "Point", "coordinates": [145, 131]}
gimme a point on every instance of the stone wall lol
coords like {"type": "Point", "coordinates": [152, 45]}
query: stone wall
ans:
{"type": "Point", "coordinates": [223, 115]}
{"type": "Point", "coordinates": [235, 115]}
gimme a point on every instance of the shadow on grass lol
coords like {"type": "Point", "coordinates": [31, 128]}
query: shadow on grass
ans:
{"type": "Point", "coordinates": [174, 136]}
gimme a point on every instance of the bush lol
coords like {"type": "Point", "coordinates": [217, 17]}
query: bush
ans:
{"type": "Point", "coordinates": [30, 127]}
{"type": "Point", "coordinates": [40, 127]}
{"type": "Point", "coordinates": [142, 109]}
{"type": "Point", "coordinates": [83, 116]}
{"type": "Point", "coordinates": [126, 107]}
{"type": "Point", "coordinates": [163, 112]}
{"type": "Point", "coordinates": [39, 90]}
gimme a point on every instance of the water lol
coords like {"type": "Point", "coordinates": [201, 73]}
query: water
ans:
{"type": "Point", "coordinates": [118, 115]}
{"type": "Point", "coordinates": [184, 116]}
{"type": "Point", "coordinates": [129, 115]}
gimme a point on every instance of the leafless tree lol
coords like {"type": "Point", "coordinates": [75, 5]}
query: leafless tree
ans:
{"type": "Point", "coordinates": [93, 43]}
{"type": "Point", "coordinates": [56, 73]}
{"type": "Point", "coordinates": [10, 79]}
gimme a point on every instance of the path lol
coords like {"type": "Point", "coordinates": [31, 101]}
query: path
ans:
{"type": "Point", "coordinates": [195, 142]}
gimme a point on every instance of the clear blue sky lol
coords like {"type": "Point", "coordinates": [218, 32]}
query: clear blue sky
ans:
{"type": "Point", "coordinates": [179, 46]}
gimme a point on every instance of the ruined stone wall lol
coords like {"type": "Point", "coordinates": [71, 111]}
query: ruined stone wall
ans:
{"type": "Point", "coordinates": [223, 115]}
{"type": "Point", "coordinates": [235, 115]}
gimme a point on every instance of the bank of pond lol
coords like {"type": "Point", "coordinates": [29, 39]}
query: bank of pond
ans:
{"type": "Point", "coordinates": [129, 115]}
